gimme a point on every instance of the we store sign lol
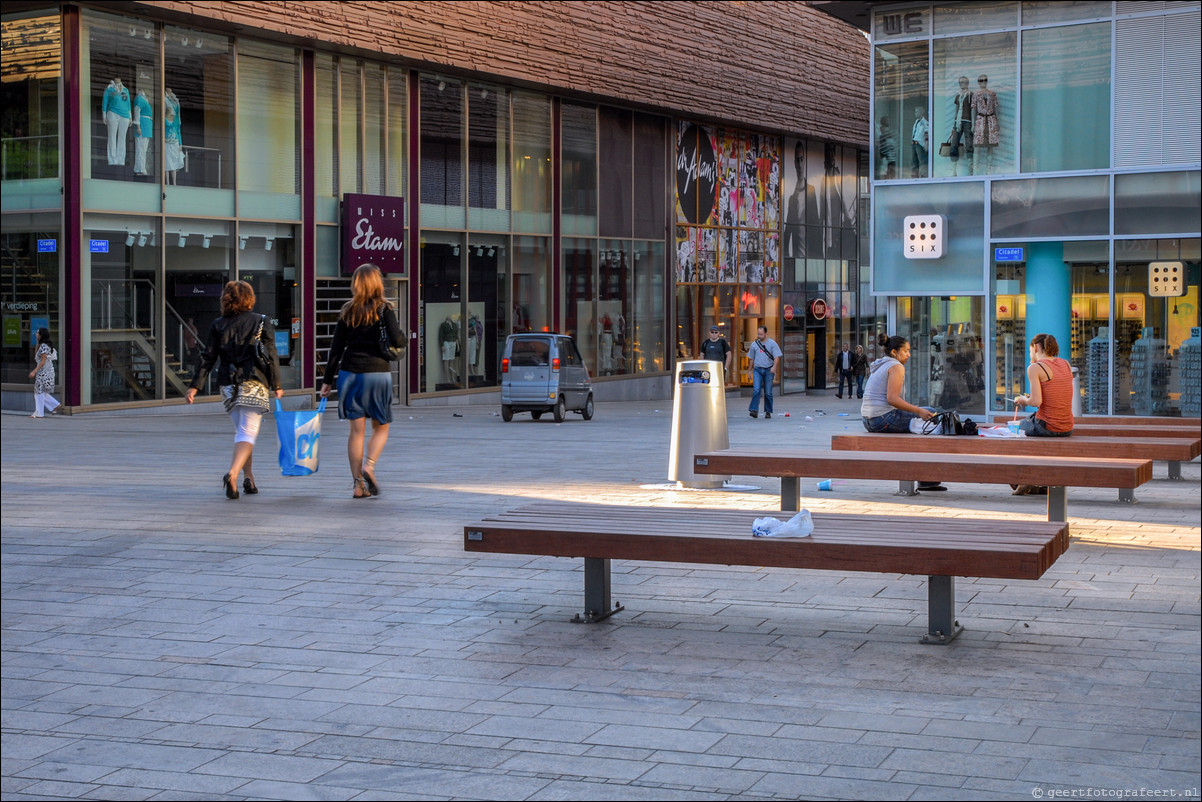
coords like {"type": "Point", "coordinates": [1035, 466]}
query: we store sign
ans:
{"type": "Point", "coordinates": [373, 230]}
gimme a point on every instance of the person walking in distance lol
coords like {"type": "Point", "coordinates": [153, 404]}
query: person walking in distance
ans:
{"type": "Point", "coordinates": [844, 363]}
{"type": "Point", "coordinates": [364, 375]}
{"type": "Point", "coordinates": [717, 349]}
{"type": "Point", "coordinates": [43, 377]}
{"type": "Point", "coordinates": [765, 357]}
{"type": "Point", "coordinates": [859, 369]}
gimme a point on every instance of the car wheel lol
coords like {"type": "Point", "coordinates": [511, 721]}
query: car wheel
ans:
{"type": "Point", "coordinates": [536, 415]}
{"type": "Point", "coordinates": [587, 412]}
{"type": "Point", "coordinates": [561, 410]}
{"type": "Point", "coordinates": [506, 413]}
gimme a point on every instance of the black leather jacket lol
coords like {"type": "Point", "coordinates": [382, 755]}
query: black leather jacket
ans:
{"type": "Point", "coordinates": [232, 340]}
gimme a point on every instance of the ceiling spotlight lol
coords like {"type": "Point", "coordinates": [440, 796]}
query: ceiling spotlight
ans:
{"type": "Point", "coordinates": [442, 85]}
{"type": "Point", "coordinates": [147, 34]}
{"type": "Point", "coordinates": [484, 94]}
{"type": "Point", "coordinates": [479, 250]}
{"type": "Point", "coordinates": [455, 250]}
{"type": "Point", "coordinates": [207, 242]}
{"type": "Point", "coordinates": [130, 239]}
{"type": "Point", "coordinates": [199, 42]}
{"type": "Point", "coordinates": [268, 243]}
{"type": "Point", "coordinates": [492, 251]}
{"type": "Point", "coordinates": [152, 239]}
{"type": "Point", "coordinates": [184, 41]}
{"type": "Point", "coordinates": [133, 31]}
{"type": "Point", "coordinates": [183, 240]}
{"type": "Point", "coordinates": [142, 240]}
{"type": "Point", "coordinates": [242, 243]}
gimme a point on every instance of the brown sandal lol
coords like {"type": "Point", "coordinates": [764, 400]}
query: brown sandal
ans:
{"type": "Point", "coordinates": [359, 489]}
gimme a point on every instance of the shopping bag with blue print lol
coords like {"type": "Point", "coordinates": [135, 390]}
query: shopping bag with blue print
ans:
{"type": "Point", "coordinates": [300, 435]}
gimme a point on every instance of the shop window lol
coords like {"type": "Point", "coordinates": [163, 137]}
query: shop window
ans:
{"type": "Point", "coordinates": [650, 175]}
{"type": "Point", "coordinates": [1066, 102]}
{"type": "Point", "coordinates": [953, 18]}
{"type": "Point", "coordinates": [1051, 207]}
{"type": "Point", "coordinates": [531, 283]}
{"type": "Point", "coordinates": [488, 158]}
{"type": "Point", "coordinates": [900, 97]}
{"type": "Point", "coordinates": [484, 330]}
{"type": "Point", "coordinates": [616, 160]}
{"type": "Point", "coordinates": [269, 258]}
{"type": "Point", "coordinates": [395, 133]}
{"type": "Point", "coordinates": [960, 269]}
{"type": "Point", "coordinates": [375, 108]}
{"type": "Point", "coordinates": [29, 125]}
{"type": "Point", "coordinates": [974, 105]}
{"type": "Point", "coordinates": [30, 253]}
{"type": "Point", "coordinates": [442, 169]}
{"type": "Point", "coordinates": [268, 131]}
{"type": "Point", "coordinates": [579, 169]}
{"type": "Point", "coordinates": [579, 310]}
{"type": "Point", "coordinates": [325, 154]}
{"type": "Point", "coordinates": [644, 348]}
{"type": "Point", "coordinates": [1043, 12]}
{"type": "Point", "coordinates": [444, 328]}
{"type": "Point", "coordinates": [350, 110]}
{"type": "Point", "coordinates": [531, 163]}
{"type": "Point", "coordinates": [1157, 203]}
{"type": "Point", "coordinates": [198, 109]}
{"type": "Point", "coordinates": [947, 357]}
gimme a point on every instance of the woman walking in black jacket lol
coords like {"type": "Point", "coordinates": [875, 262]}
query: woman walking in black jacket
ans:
{"type": "Point", "coordinates": [244, 342]}
{"type": "Point", "coordinates": [364, 375]}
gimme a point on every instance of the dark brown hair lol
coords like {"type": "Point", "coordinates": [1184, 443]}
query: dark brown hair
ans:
{"type": "Point", "coordinates": [1047, 342]}
{"type": "Point", "coordinates": [891, 344]}
{"type": "Point", "coordinates": [236, 298]}
{"type": "Point", "coordinates": [367, 297]}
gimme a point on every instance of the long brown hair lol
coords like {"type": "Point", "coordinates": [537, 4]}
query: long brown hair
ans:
{"type": "Point", "coordinates": [236, 298]}
{"type": "Point", "coordinates": [367, 297]}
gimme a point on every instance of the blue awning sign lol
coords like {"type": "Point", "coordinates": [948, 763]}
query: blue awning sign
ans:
{"type": "Point", "coordinates": [1008, 254]}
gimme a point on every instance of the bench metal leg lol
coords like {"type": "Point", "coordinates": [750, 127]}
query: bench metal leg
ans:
{"type": "Point", "coordinates": [1174, 469]}
{"type": "Point", "coordinates": [1057, 504]}
{"type": "Point", "coordinates": [597, 605]}
{"type": "Point", "coordinates": [790, 494]}
{"type": "Point", "coordinates": [909, 488]}
{"type": "Point", "coordinates": [1127, 495]}
{"type": "Point", "coordinates": [942, 627]}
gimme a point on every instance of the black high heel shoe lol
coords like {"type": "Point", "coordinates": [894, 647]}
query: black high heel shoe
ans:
{"type": "Point", "coordinates": [248, 487]}
{"type": "Point", "coordinates": [230, 490]}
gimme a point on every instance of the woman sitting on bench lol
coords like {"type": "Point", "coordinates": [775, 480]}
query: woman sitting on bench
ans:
{"type": "Point", "coordinates": [1051, 380]}
{"type": "Point", "coordinates": [885, 408]}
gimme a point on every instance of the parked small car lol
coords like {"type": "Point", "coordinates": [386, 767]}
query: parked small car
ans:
{"type": "Point", "coordinates": [543, 372]}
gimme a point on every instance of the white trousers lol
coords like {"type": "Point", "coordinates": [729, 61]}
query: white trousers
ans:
{"type": "Point", "coordinates": [246, 424]}
{"type": "Point", "coordinates": [141, 147]}
{"type": "Point", "coordinates": [117, 126]}
{"type": "Point", "coordinates": [43, 403]}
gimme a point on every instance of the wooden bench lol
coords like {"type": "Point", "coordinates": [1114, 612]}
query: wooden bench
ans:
{"type": "Point", "coordinates": [1117, 430]}
{"type": "Point", "coordinates": [1057, 473]}
{"type": "Point", "coordinates": [1131, 421]}
{"type": "Point", "coordinates": [1173, 450]}
{"type": "Point", "coordinates": [940, 548]}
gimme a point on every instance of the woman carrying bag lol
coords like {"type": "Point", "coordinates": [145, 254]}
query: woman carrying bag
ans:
{"type": "Point", "coordinates": [366, 326]}
{"type": "Point", "coordinates": [244, 342]}
{"type": "Point", "coordinates": [43, 377]}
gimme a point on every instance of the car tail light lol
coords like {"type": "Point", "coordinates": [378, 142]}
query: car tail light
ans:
{"type": "Point", "coordinates": [505, 365]}
{"type": "Point", "coordinates": [555, 365]}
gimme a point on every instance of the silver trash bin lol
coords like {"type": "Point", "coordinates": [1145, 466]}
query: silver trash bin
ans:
{"type": "Point", "coordinates": [698, 421]}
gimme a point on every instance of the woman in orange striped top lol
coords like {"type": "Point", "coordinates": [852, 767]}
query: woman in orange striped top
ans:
{"type": "Point", "coordinates": [1051, 380]}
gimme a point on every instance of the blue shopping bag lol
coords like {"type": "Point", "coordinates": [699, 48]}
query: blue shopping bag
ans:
{"type": "Point", "coordinates": [300, 435]}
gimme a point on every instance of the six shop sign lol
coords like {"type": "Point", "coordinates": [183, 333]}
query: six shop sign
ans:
{"type": "Point", "coordinates": [373, 230]}
{"type": "Point", "coordinates": [923, 236]}
{"type": "Point", "coordinates": [696, 174]}
{"type": "Point", "coordinates": [818, 309]}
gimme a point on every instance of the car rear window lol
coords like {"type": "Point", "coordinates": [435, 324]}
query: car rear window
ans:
{"type": "Point", "coordinates": [530, 353]}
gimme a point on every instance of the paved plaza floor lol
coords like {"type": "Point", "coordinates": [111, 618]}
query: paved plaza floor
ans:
{"type": "Point", "coordinates": [162, 642]}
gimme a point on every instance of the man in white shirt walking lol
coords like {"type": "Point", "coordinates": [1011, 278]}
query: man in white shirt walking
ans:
{"type": "Point", "coordinates": [765, 360]}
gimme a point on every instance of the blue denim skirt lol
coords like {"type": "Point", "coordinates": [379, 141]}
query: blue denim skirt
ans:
{"type": "Point", "coordinates": [365, 395]}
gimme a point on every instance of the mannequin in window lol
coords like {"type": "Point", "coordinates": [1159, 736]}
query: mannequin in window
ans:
{"type": "Point", "coordinates": [143, 131]}
{"type": "Point", "coordinates": [886, 148]}
{"type": "Point", "coordinates": [985, 128]}
{"type": "Point", "coordinates": [448, 343]}
{"type": "Point", "coordinates": [173, 150]}
{"type": "Point", "coordinates": [605, 329]}
{"type": "Point", "coordinates": [116, 110]}
{"type": "Point", "coordinates": [474, 332]}
{"type": "Point", "coordinates": [920, 143]}
{"type": "Point", "coordinates": [962, 135]}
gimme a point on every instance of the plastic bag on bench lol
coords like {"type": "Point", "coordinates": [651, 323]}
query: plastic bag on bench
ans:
{"type": "Point", "coordinates": [800, 525]}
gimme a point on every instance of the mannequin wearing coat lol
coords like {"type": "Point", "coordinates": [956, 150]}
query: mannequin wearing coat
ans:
{"type": "Point", "coordinates": [116, 110]}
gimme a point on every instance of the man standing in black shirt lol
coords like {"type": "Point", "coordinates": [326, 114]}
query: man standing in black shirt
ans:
{"type": "Point", "coordinates": [716, 348]}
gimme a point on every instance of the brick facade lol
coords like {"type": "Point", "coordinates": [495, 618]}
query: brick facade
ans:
{"type": "Point", "coordinates": [771, 66]}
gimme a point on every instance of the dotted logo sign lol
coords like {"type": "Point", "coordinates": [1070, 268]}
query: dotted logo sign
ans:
{"type": "Point", "coordinates": [923, 236]}
{"type": "Point", "coordinates": [1166, 278]}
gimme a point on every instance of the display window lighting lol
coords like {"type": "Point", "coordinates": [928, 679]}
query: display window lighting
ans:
{"type": "Point", "coordinates": [268, 244]}
{"type": "Point", "coordinates": [129, 240]}
{"type": "Point", "coordinates": [183, 240]}
{"type": "Point", "coordinates": [207, 242]}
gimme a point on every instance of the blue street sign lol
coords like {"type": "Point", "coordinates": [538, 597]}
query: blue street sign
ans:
{"type": "Point", "coordinates": [1007, 254]}
{"type": "Point", "coordinates": [47, 245]}
{"type": "Point", "coordinates": [98, 246]}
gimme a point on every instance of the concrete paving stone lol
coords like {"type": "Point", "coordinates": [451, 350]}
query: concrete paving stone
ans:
{"type": "Point", "coordinates": [565, 789]}
{"type": "Point", "coordinates": [255, 765]}
{"type": "Point", "coordinates": [809, 786]}
{"type": "Point", "coordinates": [573, 731]}
{"type": "Point", "coordinates": [652, 737]}
{"type": "Point", "coordinates": [1106, 775]}
{"type": "Point", "coordinates": [723, 780]}
{"type": "Point", "coordinates": [576, 766]}
{"type": "Point", "coordinates": [515, 745]}
{"type": "Point", "coordinates": [423, 751]}
{"type": "Point", "coordinates": [1088, 739]}
{"type": "Point", "coordinates": [29, 746]}
{"type": "Point", "coordinates": [53, 789]}
{"type": "Point", "coordinates": [118, 754]}
{"type": "Point", "coordinates": [233, 737]}
{"type": "Point", "coordinates": [797, 750]}
{"type": "Point", "coordinates": [109, 726]}
{"type": "Point", "coordinates": [190, 781]}
{"type": "Point", "coordinates": [301, 792]}
{"type": "Point", "coordinates": [1069, 755]}
{"type": "Point", "coordinates": [735, 726]}
{"type": "Point", "coordinates": [977, 730]}
{"type": "Point", "coordinates": [404, 715]}
{"type": "Point", "coordinates": [974, 765]}
{"type": "Point", "coordinates": [65, 772]}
